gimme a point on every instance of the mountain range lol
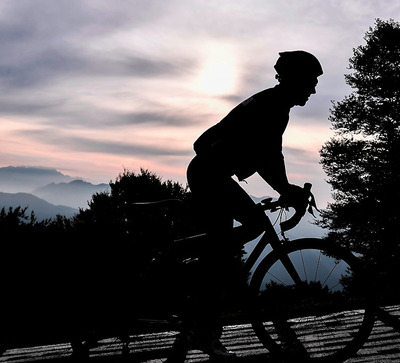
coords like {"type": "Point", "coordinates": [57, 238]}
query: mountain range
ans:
{"type": "Point", "coordinates": [43, 210]}
{"type": "Point", "coordinates": [75, 194]}
{"type": "Point", "coordinates": [20, 179]}
{"type": "Point", "coordinates": [47, 192]}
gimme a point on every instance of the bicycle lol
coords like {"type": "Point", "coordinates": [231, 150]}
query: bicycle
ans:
{"type": "Point", "coordinates": [295, 287]}
{"type": "Point", "coordinates": [321, 283]}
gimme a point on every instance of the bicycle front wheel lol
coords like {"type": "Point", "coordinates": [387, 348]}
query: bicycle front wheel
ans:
{"type": "Point", "coordinates": [322, 314]}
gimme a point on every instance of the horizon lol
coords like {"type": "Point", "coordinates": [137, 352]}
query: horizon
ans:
{"type": "Point", "coordinates": [91, 88]}
{"type": "Point", "coordinates": [62, 201]}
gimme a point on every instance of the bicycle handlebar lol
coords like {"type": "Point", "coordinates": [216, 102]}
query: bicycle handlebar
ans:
{"type": "Point", "coordinates": [307, 204]}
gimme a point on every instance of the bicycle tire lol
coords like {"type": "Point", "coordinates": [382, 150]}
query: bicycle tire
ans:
{"type": "Point", "coordinates": [338, 320]}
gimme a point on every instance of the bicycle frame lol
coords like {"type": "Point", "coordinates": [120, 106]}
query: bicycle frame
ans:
{"type": "Point", "coordinates": [271, 238]}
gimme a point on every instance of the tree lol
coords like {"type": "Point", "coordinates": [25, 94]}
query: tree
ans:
{"type": "Point", "coordinates": [87, 271]}
{"type": "Point", "coordinates": [116, 216]}
{"type": "Point", "coordinates": [35, 274]}
{"type": "Point", "coordinates": [118, 238]}
{"type": "Point", "coordinates": [362, 160]}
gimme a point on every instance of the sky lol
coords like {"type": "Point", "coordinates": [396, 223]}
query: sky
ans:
{"type": "Point", "coordinates": [93, 87]}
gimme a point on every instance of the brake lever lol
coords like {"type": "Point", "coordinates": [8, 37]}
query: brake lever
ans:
{"type": "Point", "coordinates": [312, 204]}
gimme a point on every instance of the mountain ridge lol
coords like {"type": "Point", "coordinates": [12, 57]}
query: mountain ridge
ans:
{"type": "Point", "coordinates": [41, 208]}
{"type": "Point", "coordinates": [50, 185]}
{"type": "Point", "coordinates": [75, 194]}
{"type": "Point", "coordinates": [16, 179]}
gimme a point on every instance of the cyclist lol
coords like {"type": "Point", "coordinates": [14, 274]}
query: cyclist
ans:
{"type": "Point", "coordinates": [247, 141]}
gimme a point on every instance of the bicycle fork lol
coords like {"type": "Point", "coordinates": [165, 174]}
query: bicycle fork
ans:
{"type": "Point", "coordinates": [271, 238]}
{"type": "Point", "coordinates": [286, 262]}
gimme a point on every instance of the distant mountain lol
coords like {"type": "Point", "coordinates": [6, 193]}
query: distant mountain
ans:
{"type": "Point", "coordinates": [42, 209]}
{"type": "Point", "coordinates": [25, 179]}
{"type": "Point", "coordinates": [49, 184]}
{"type": "Point", "coordinates": [75, 194]}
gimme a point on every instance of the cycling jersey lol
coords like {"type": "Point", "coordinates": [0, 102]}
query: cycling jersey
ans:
{"type": "Point", "coordinates": [249, 139]}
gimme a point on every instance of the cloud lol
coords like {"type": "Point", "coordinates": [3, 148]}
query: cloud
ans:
{"type": "Point", "coordinates": [70, 114]}
{"type": "Point", "coordinates": [162, 117]}
{"type": "Point", "coordinates": [63, 63]}
{"type": "Point", "coordinates": [47, 41]}
{"type": "Point", "coordinates": [123, 148]}
{"type": "Point", "coordinates": [81, 64]}
{"type": "Point", "coordinates": [79, 76]}
{"type": "Point", "coordinates": [302, 155]}
{"type": "Point", "coordinates": [73, 143]}
{"type": "Point", "coordinates": [63, 19]}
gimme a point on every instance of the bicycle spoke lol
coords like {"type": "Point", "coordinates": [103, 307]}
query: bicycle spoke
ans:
{"type": "Point", "coordinates": [304, 265]}
{"type": "Point", "coordinates": [317, 268]}
{"type": "Point", "coordinates": [320, 305]}
{"type": "Point", "coordinates": [334, 286]}
{"type": "Point", "coordinates": [277, 278]}
{"type": "Point", "coordinates": [330, 273]}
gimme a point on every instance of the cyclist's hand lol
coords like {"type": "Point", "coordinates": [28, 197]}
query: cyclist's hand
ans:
{"type": "Point", "coordinates": [294, 196]}
{"type": "Point", "coordinates": [298, 198]}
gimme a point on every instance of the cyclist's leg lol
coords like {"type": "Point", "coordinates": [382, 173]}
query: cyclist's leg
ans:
{"type": "Point", "coordinates": [209, 192]}
{"type": "Point", "coordinates": [220, 200]}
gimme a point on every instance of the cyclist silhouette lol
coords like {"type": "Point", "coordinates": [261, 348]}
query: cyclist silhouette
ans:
{"type": "Point", "coordinates": [247, 141]}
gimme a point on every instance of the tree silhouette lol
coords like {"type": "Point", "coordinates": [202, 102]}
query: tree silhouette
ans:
{"type": "Point", "coordinates": [119, 217]}
{"type": "Point", "coordinates": [362, 160]}
{"type": "Point", "coordinates": [35, 272]}
{"type": "Point", "coordinates": [120, 239]}
{"type": "Point", "coordinates": [89, 273]}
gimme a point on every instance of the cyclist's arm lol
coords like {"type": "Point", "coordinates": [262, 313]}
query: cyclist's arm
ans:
{"type": "Point", "coordinates": [274, 173]}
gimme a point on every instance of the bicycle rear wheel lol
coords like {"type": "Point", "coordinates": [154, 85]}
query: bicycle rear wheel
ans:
{"type": "Point", "coordinates": [325, 316]}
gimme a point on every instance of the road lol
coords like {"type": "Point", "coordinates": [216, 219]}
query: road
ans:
{"type": "Point", "coordinates": [382, 346]}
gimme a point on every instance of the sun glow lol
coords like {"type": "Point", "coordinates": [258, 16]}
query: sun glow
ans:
{"type": "Point", "coordinates": [218, 72]}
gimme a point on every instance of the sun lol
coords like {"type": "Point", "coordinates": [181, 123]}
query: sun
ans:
{"type": "Point", "coordinates": [218, 71]}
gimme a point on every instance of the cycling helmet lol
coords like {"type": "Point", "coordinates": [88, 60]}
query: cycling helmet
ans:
{"type": "Point", "coordinates": [298, 63]}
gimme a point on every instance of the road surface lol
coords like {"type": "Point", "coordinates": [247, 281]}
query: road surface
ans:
{"type": "Point", "coordinates": [382, 346]}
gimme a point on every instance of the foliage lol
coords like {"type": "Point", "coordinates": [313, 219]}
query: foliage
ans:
{"type": "Point", "coordinates": [121, 238]}
{"type": "Point", "coordinates": [35, 271]}
{"type": "Point", "coordinates": [119, 218]}
{"type": "Point", "coordinates": [362, 160]}
{"type": "Point", "coordinates": [90, 266]}
{"type": "Point", "coordinates": [20, 231]}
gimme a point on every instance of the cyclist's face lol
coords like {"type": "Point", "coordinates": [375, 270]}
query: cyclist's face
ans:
{"type": "Point", "coordinates": [301, 89]}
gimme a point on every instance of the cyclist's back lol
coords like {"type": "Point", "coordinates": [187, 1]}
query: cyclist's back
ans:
{"type": "Point", "coordinates": [248, 135]}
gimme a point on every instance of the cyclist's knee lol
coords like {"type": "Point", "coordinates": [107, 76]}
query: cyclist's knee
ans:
{"type": "Point", "coordinates": [254, 222]}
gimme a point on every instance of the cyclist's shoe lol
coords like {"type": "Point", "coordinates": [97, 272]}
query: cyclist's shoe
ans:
{"type": "Point", "coordinates": [212, 347]}
{"type": "Point", "coordinates": [216, 351]}
{"type": "Point", "coordinates": [179, 349]}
